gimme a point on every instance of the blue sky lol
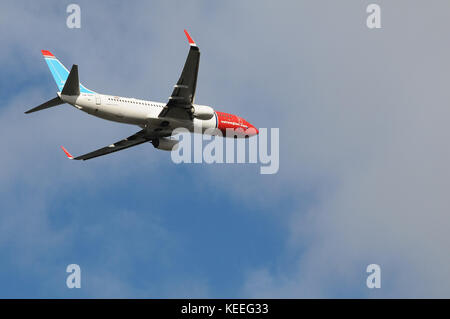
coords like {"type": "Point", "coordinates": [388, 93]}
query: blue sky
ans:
{"type": "Point", "coordinates": [363, 159]}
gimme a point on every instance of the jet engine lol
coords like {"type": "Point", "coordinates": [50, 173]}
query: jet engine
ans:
{"type": "Point", "coordinates": [202, 112]}
{"type": "Point", "coordinates": [165, 144]}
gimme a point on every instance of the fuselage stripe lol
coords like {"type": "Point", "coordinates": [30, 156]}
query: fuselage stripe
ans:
{"type": "Point", "coordinates": [217, 121]}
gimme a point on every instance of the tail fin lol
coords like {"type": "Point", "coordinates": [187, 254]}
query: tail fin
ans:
{"type": "Point", "coordinates": [72, 86]}
{"type": "Point", "coordinates": [60, 72]}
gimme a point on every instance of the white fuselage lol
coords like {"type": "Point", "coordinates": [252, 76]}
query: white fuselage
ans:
{"type": "Point", "coordinates": [133, 111]}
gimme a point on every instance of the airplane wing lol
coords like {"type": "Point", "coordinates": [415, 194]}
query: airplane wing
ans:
{"type": "Point", "coordinates": [136, 139]}
{"type": "Point", "coordinates": [182, 98]}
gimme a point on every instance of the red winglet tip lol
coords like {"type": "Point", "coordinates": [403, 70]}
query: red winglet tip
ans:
{"type": "Point", "coordinates": [47, 53]}
{"type": "Point", "coordinates": [67, 153]}
{"type": "Point", "coordinates": [189, 37]}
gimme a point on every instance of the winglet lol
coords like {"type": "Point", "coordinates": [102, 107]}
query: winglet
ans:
{"type": "Point", "coordinates": [191, 42]}
{"type": "Point", "coordinates": [67, 153]}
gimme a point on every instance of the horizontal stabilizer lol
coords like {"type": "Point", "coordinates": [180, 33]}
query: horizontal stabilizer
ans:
{"type": "Point", "coordinates": [53, 102]}
{"type": "Point", "coordinates": [72, 85]}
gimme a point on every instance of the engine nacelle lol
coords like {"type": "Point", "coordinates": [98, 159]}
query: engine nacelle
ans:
{"type": "Point", "coordinates": [165, 144]}
{"type": "Point", "coordinates": [202, 112]}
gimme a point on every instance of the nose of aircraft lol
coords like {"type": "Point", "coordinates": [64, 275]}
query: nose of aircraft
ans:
{"type": "Point", "coordinates": [252, 130]}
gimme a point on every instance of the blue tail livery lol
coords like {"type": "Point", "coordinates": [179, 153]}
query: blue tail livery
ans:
{"type": "Point", "coordinates": [60, 72]}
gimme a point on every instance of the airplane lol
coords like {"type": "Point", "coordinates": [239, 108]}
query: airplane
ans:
{"type": "Point", "coordinates": [157, 120]}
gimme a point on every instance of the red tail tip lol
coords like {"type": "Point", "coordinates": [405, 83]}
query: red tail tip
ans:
{"type": "Point", "coordinates": [47, 53]}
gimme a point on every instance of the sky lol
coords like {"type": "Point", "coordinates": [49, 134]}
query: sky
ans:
{"type": "Point", "coordinates": [363, 177]}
